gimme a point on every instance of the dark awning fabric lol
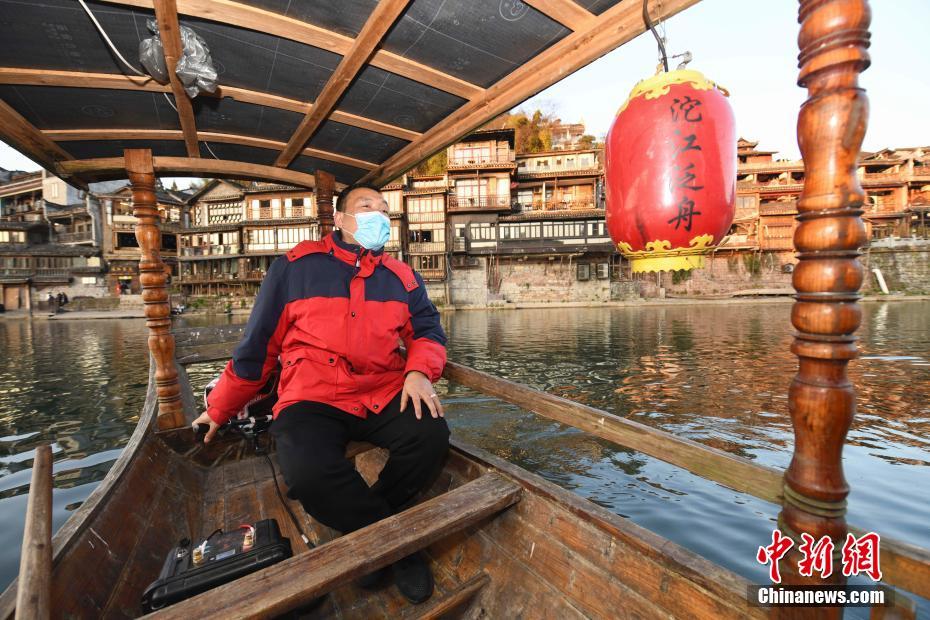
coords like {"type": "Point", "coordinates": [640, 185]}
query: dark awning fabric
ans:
{"type": "Point", "coordinates": [440, 58]}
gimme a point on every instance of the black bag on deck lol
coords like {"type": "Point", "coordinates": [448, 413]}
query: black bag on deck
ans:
{"type": "Point", "coordinates": [222, 559]}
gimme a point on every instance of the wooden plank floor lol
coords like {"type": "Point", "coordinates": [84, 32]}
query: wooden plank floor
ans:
{"type": "Point", "coordinates": [242, 491]}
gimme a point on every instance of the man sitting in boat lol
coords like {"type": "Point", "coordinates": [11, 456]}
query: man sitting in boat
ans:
{"type": "Point", "coordinates": [335, 311]}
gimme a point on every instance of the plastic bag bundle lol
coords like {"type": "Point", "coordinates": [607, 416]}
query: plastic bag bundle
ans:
{"type": "Point", "coordinates": [152, 57]}
{"type": "Point", "coordinates": [195, 67]}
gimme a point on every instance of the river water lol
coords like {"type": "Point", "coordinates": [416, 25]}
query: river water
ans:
{"type": "Point", "coordinates": [712, 373]}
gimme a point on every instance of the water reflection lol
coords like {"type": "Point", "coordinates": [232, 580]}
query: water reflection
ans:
{"type": "Point", "coordinates": [715, 374]}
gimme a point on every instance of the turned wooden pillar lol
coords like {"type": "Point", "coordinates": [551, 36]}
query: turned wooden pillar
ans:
{"type": "Point", "coordinates": [153, 277]}
{"type": "Point", "coordinates": [833, 41]}
{"type": "Point", "coordinates": [325, 187]}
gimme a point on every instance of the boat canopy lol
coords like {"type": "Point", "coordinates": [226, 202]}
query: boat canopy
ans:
{"type": "Point", "coordinates": [360, 89]}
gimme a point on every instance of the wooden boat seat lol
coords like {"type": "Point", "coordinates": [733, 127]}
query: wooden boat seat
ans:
{"type": "Point", "coordinates": [297, 581]}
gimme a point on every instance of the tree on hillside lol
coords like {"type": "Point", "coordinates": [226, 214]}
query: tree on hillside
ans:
{"type": "Point", "coordinates": [435, 165]}
{"type": "Point", "coordinates": [532, 133]}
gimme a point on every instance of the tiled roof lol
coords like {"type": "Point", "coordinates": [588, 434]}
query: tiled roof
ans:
{"type": "Point", "coordinates": [258, 186]}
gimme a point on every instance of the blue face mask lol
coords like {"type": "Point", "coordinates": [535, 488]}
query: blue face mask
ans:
{"type": "Point", "coordinates": [374, 229]}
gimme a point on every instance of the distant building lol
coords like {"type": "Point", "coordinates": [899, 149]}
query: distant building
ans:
{"type": "Point", "coordinates": [120, 246]}
{"type": "Point", "coordinates": [767, 192]}
{"type": "Point", "coordinates": [566, 136]}
{"type": "Point", "coordinates": [237, 229]}
{"type": "Point", "coordinates": [46, 246]}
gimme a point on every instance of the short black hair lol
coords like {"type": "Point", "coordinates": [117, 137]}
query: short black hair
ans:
{"type": "Point", "coordinates": [344, 194]}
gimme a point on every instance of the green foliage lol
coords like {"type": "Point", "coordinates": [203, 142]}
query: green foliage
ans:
{"type": "Point", "coordinates": [532, 134]}
{"type": "Point", "coordinates": [733, 263]}
{"type": "Point", "coordinates": [681, 275]}
{"type": "Point", "coordinates": [752, 263]}
{"type": "Point", "coordinates": [435, 165]}
{"type": "Point", "coordinates": [586, 141]}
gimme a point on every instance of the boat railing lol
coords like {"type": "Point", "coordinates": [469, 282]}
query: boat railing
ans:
{"type": "Point", "coordinates": [903, 565]}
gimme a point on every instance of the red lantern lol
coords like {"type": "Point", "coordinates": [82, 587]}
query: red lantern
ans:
{"type": "Point", "coordinates": [670, 171]}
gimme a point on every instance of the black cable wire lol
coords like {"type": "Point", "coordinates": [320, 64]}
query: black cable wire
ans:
{"type": "Point", "coordinates": [648, 21]}
{"type": "Point", "coordinates": [277, 489]}
{"type": "Point", "coordinates": [284, 503]}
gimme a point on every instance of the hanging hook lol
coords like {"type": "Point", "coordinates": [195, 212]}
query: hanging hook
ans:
{"type": "Point", "coordinates": [648, 21]}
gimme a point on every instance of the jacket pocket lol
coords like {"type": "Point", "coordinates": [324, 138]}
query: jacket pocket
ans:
{"type": "Point", "coordinates": [308, 374]}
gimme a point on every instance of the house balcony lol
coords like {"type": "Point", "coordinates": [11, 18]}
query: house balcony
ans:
{"type": "Point", "coordinates": [392, 246]}
{"type": "Point", "coordinates": [87, 269]}
{"type": "Point", "coordinates": [75, 237]}
{"type": "Point", "coordinates": [221, 278]}
{"type": "Point", "coordinates": [427, 247]}
{"type": "Point", "coordinates": [429, 217]}
{"type": "Point", "coordinates": [544, 172]}
{"type": "Point", "coordinates": [882, 178]}
{"type": "Point", "coordinates": [37, 274]}
{"type": "Point", "coordinates": [555, 205]}
{"type": "Point", "coordinates": [883, 207]}
{"type": "Point", "coordinates": [552, 245]}
{"type": "Point", "coordinates": [496, 161]}
{"type": "Point", "coordinates": [421, 189]}
{"type": "Point", "coordinates": [432, 274]}
{"type": "Point", "coordinates": [482, 203]}
{"type": "Point", "coordinates": [769, 187]}
{"type": "Point", "coordinates": [770, 166]}
{"type": "Point", "coordinates": [211, 250]}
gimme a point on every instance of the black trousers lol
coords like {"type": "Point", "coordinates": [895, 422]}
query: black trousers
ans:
{"type": "Point", "coordinates": [311, 441]}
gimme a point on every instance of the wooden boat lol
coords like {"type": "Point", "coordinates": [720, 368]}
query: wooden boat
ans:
{"type": "Point", "coordinates": [503, 542]}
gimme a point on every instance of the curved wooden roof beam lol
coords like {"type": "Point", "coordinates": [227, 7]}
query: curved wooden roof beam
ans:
{"type": "Point", "coordinates": [23, 135]}
{"type": "Point", "coordinates": [568, 13]}
{"type": "Point", "coordinates": [613, 28]}
{"type": "Point", "coordinates": [119, 81]}
{"type": "Point", "coordinates": [252, 18]}
{"type": "Point", "coordinates": [104, 168]}
{"type": "Point", "coordinates": [376, 26]}
{"type": "Point", "coordinates": [69, 135]}
{"type": "Point", "coordinates": [166, 13]}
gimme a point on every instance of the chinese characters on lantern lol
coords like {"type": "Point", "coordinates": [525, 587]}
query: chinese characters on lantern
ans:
{"type": "Point", "coordinates": [684, 111]}
{"type": "Point", "coordinates": [859, 555]}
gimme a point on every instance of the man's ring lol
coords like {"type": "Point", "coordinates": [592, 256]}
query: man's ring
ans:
{"type": "Point", "coordinates": [433, 396]}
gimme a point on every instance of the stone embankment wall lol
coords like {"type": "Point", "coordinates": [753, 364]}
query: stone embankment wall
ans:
{"type": "Point", "coordinates": [73, 290]}
{"type": "Point", "coordinates": [904, 263]}
{"type": "Point", "coordinates": [726, 273]}
{"type": "Point", "coordinates": [519, 280]}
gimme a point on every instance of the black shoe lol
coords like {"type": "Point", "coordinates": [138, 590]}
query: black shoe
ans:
{"type": "Point", "coordinates": [413, 578]}
{"type": "Point", "coordinates": [373, 581]}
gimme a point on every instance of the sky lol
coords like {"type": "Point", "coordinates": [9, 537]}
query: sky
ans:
{"type": "Point", "coordinates": [750, 48]}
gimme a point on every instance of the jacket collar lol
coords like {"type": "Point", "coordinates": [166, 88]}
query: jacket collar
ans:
{"type": "Point", "coordinates": [352, 254]}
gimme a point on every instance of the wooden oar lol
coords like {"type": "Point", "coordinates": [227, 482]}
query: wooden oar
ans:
{"type": "Point", "coordinates": [33, 597]}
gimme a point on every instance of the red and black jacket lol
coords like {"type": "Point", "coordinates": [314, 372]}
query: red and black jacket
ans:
{"type": "Point", "coordinates": [335, 314]}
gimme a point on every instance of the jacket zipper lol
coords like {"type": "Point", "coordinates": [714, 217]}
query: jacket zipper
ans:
{"type": "Point", "coordinates": [358, 268]}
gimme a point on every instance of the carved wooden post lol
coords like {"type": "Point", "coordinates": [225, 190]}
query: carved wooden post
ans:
{"type": "Point", "coordinates": [152, 275]}
{"type": "Point", "coordinates": [324, 189]}
{"type": "Point", "coordinates": [833, 41]}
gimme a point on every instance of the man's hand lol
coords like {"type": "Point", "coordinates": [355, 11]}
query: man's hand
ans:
{"type": "Point", "coordinates": [417, 387]}
{"type": "Point", "coordinates": [205, 419]}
